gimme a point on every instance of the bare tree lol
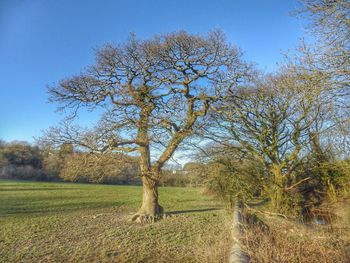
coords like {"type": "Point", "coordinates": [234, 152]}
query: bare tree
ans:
{"type": "Point", "coordinates": [330, 24]}
{"type": "Point", "coordinates": [155, 94]}
{"type": "Point", "coordinates": [271, 121]}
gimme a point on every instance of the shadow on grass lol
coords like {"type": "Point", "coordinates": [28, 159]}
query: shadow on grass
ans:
{"type": "Point", "coordinates": [191, 211]}
{"type": "Point", "coordinates": [35, 189]}
{"type": "Point", "coordinates": [57, 208]}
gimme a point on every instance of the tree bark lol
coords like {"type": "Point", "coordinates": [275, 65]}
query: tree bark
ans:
{"type": "Point", "coordinates": [150, 209]}
{"type": "Point", "coordinates": [150, 205]}
{"type": "Point", "coordinates": [277, 190]}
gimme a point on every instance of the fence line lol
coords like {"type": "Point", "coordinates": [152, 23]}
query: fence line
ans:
{"type": "Point", "coordinates": [237, 254]}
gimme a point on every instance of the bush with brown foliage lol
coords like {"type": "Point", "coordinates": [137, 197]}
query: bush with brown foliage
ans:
{"type": "Point", "coordinates": [100, 168]}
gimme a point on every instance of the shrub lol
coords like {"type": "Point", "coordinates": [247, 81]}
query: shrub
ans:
{"type": "Point", "coordinates": [100, 168]}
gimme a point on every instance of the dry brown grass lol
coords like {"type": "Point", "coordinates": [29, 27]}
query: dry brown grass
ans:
{"type": "Point", "coordinates": [286, 241]}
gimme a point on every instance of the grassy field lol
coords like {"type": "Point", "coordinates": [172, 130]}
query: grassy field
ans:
{"type": "Point", "coordinates": [63, 222]}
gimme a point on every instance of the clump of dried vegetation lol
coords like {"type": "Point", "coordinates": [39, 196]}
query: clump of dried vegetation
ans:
{"type": "Point", "coordinates": [269, 238]}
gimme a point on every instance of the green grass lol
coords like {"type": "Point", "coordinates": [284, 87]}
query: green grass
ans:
{"type": "Point", "coordinates": [64, 222]}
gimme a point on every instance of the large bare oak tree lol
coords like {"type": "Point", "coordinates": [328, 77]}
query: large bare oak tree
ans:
{"type": "Point", "coordinates": [155, 94]}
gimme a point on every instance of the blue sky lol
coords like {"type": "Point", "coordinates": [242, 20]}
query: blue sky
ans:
{"type": "Point", "coordinates": [43, 41]}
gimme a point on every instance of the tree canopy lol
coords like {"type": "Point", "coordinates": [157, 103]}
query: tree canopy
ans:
{"type": "Point", "coordinates": [155, 93]}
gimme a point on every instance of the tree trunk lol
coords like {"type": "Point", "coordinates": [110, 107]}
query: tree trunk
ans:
{"type": "Point", "coordinates": [150, 205]}
{"type": "Point", "coordinates": [277, 189]}
{"type": "Point", "coordinates": [150, 209]}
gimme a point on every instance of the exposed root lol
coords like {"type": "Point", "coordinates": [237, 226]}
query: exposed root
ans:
{"type": "Point", "coordinates": [147, 216]}
{"type": "Point", "coordinates": [146, 219]}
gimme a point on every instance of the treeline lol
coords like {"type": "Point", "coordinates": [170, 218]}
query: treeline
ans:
{"type": "Point", "coordinates": [24, 161]}
{"type": "Point", "coordinates": [21, 160]}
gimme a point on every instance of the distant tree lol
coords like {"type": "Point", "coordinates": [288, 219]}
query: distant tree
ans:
{"type": "Point", "coordinates": [22, 153]}
{"type": "Point", "coordinates": [20, 160]}
{"type": "Point", "coordinates": [196, 172]}
{"type": "Point", "coordinates": [51, 161]}
{"type": "Point", "coordinates": [52, 164]}
{"type": "Point", "coordinates": [155, 94]}
{"type": "Point", "coordinates": [3, 159]}
{"type": "Point", "coordinates": [65, 150]}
